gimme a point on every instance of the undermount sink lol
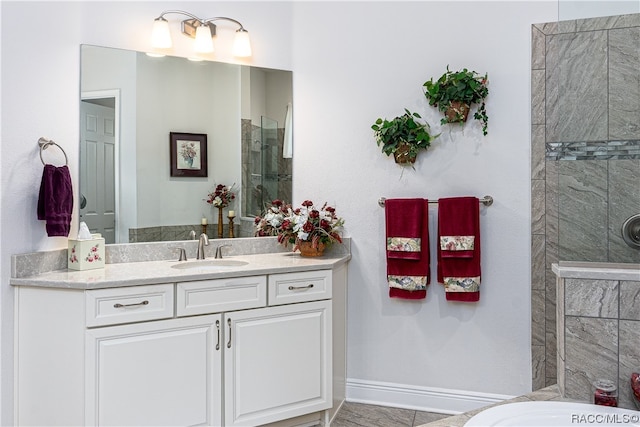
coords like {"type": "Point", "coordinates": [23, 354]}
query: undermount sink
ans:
{"type": "Point", "coordinates": [209, 264]}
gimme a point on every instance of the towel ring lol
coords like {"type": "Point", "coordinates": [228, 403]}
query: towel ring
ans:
{"type": "Point", "coordinates": [44, 143]}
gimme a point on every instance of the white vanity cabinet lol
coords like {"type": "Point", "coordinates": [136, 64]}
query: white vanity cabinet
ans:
{"type": "Point", "coordinates": [242, 351]}
{"type": "Point", "coordinates": [163, 373]}
{"type": "Point", "coordinates": [293, 376]}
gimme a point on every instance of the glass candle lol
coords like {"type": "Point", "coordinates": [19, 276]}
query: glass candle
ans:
{"type": "Point", "coordinates": [605, 393]}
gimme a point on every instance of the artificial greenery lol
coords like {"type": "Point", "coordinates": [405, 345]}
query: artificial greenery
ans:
{"type": "Point", "coordinates": [404, 129]}
{"type": "Point", "coordinates": [464, 86]}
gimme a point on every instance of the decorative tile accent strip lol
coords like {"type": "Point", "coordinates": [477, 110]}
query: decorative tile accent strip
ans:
{"type": "Point", "coordinates": [593, 150]}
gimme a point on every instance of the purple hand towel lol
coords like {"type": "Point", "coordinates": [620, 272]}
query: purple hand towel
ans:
{"type": "Point", "coordinates": [55, 201]}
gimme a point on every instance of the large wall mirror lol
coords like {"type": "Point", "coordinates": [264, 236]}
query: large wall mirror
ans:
{"type": "Point", "coordinates": [131, 102]}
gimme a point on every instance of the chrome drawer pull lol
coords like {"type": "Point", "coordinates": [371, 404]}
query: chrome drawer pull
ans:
{"type": "Point", "coordinates": [297, 288]}
{"type": "Point", "coordinates": [118, 305]}
{"type": "Point", "coordinates": [218, 328]}
{"type": "Point", "coordinates": [229, 324]}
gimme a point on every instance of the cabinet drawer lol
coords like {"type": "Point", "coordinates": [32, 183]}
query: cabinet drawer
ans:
{"type": "Point", "coordinates": [130, 304]}
{"type": "Point", "coordinates": [215, 296]}
{"type": "Point", "coordinates": [289, 288]}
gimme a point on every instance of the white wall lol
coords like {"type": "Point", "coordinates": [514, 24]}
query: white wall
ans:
{"type": "Point", "coordinates": [40, 97]}
{"type": "Point", "coordinates": [115, 69]}
{"type": "Point", "coordinates": [359, 61]}
{"type": "Point", "coordinates": [175, 95]}
{"type": "Point", "coordinates": [578, 9]}
{"type": "Point", "coordinates": [352, 62]}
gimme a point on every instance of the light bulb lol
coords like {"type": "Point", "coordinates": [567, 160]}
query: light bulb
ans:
{"type": "Point", "coordinates": [160, 35]}
{"type": "Point", "coordinates": [242, 43]}
{"type": "Point", "coordinates": [203, 43]}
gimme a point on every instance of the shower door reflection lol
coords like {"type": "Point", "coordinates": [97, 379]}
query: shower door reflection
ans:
{"type": "Point", "coordinates": [268, 173]}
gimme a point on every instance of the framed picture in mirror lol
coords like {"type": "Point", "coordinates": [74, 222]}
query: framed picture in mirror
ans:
{"type": "Point", "coordinates": [188, 154]}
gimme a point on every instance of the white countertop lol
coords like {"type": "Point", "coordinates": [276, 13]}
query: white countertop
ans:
{"type": "Point", "coordinates": [153, 272]}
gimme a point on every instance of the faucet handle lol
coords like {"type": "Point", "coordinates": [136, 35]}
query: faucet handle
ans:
{"type": "Point", "coordinates": [192, 235]}
{"type": "Point", "coordinates": [183, 254]}
{"type": "Point", "coordinates": [219, 250]}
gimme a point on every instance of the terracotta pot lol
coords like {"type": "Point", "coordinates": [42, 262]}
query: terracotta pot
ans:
{"type": "Point", "coordinates": [457, 112]}
{"type": "Point", "coordinates": [403, 155]}
{"type": "Point", "coordinates": [307, 250]}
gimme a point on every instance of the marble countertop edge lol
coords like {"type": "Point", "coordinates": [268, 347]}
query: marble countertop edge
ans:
{"type": "Point", "coordinates": [548, 393]}
{"type": "Point", "coordinates": [154, 272]}
{"type": "Point", "coordinates": [609, 271]}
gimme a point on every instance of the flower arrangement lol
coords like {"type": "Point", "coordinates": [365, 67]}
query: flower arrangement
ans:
{"type": "Point", "coordinates": [221, 196]}
{"type": "Point", "coordinates": [304, 224]}
{"type": "Point", "coordinates": [188, 151]}
{"type": "Point", "coordinates": [455, 91]}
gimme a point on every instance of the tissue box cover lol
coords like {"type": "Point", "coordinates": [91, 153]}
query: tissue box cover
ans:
{"type": "Point", "coordinates": [86, 254]}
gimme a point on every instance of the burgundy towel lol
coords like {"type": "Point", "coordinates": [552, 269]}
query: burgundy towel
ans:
{"type": "Point", "coordinates": [407, 248]}
{"type": "Point", "coordinates": [459, 247]}
{"type": "Point", "coordinates": [55, 201]}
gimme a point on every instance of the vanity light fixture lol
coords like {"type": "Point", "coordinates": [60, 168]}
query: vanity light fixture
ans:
{"type": "Point", "coordinates": [202, 30]}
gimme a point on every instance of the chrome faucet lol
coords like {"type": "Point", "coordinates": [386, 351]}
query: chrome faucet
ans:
{"type": "Point", "coordinates": [204, 241]}
{"type": "Point", "coordinates": [219, 251]}
{"type": "Point", "coordinates": [192, 235]}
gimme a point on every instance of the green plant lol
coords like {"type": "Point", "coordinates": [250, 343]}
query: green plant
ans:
{"type": "Point", "coordinates": [404, 134]}
{"type": "Point", "coordinates": [464, 86]}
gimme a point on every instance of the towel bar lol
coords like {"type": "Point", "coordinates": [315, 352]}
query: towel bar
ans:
{"type": "Point", "coordinates": [486, 200]}
{"type": "Point", "coordinates": [44, 143]}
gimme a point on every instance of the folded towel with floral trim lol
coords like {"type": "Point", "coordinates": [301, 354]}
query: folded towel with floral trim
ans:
{"type": "Point", "coordinates": [407, 247]}
{"type": "Point", "coordinates": [459, 248]}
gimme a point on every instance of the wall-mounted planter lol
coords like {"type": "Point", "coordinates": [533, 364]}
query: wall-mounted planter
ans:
{"type": "Point", "coordinates": [403, 155]}
{"type": "Point", "coordinates": [457, 112]}
{"type": "Point", "coordinates": [453, 94]}
{"type": "Point", "coordinates": [403, 136]}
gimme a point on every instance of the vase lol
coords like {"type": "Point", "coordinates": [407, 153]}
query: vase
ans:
{"type": "Point", "coordinates": [403, 154]}
{"type": "Point", "coordinates": [220, 223]}
{"type": "Point", "coordinates": [307, 250]}
{"type": "Point", "coordinates": [457, 112]}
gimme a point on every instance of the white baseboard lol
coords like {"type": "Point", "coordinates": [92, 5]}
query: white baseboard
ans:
{"type": "Point", "coordinates": [429, 399]}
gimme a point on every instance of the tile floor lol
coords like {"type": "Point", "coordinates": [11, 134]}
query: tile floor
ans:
{"type": "Point", "coordinates": [358, 414]}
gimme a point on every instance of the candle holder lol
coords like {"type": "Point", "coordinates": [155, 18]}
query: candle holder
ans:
{"type": "Point", "coordinates": [204, 228]}
{"type": "Point", "coordinates": [231, 226]}
{"type": "Point", "coordinates": [220, 223]}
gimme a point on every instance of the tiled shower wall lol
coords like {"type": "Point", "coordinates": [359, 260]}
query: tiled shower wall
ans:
{"type": "Point", "coordinates": [585, 170]}
{"type": "Point", "coordinates": [598, 317]}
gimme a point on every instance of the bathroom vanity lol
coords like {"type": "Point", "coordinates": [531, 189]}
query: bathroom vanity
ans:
{"type": "Point", "coordinates": [244, 341]}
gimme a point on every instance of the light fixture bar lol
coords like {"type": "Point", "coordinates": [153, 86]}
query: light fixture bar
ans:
{"type": "Point", "coordinates": [189, 27]}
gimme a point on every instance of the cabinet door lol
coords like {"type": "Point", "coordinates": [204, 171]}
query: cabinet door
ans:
{"type": "Point", "coordinates": [155, 374]}
{"type": "Point", "coordinates": [277, 363]}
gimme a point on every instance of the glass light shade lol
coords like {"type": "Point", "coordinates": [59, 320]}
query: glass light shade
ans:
{"type": "Point", "coordinates": [160, 34]}
{"type": "Point", "coordinates": [203, 43]}
{"type": "Point", "coordinates": [242, 43]}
